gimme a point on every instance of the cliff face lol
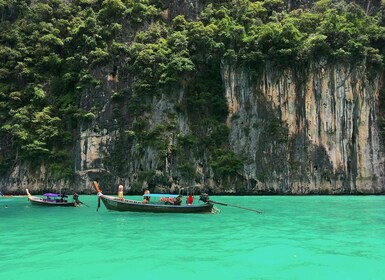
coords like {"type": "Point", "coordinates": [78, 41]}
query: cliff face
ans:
{"type": "Point", "coordinates": [310, 129]}
{"type": "Point", "coordinates": [298, 131]}
{"type": "Point", "coordinates": [328, 141]}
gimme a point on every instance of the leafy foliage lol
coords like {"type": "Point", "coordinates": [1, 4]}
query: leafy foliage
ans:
{"type": "Point", "coordinates": [49, 51]}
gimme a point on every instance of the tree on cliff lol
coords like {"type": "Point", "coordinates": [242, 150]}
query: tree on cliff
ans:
{"type": "Point", "coordinates": [52, 53]}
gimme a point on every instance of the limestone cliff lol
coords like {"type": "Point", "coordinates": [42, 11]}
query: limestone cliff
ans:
{"type": "Point", "coordinates": [321, 136]}
{"type": "Point", "coordinates": [312, 127]}
{"type": "Point", "coordinates": [299, 131]}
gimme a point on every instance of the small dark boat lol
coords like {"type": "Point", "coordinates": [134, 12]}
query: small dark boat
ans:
{"type": "Point", "coordinates": [53, 199]}
{"type": "Point", "coordinates": [167, 203]}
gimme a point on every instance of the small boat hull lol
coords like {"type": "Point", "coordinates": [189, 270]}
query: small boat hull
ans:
{"type": "Point", "coordinates": [41, 202]}
{"type": "Point", "coordinates": [115, 204]}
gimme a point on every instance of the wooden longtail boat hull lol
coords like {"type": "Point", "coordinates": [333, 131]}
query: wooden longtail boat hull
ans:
{"type": "Point", "coordinates": [38, 201]}
{"type": "Point", "coordinates": [115, 204]}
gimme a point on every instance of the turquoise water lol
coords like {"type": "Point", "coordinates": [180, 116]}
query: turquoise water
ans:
{"type": "Point", "coordinates": [314, 237]}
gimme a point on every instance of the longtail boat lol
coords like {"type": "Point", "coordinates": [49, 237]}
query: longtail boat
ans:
{"type": "Point", "coordinates": [156, 203]}
{"type": "Point", "coordinates": [53, 199]}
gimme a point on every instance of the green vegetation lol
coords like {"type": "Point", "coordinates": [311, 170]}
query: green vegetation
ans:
{"type": "Point", "coordinates": [50, 51]}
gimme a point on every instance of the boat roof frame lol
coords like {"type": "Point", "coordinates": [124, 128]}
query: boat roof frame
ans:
{"type": "Point", "coordinates": [161, 195]}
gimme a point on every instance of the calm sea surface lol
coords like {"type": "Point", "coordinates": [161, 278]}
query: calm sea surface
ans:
{"type": "Point", "coordinates": [314, 237]}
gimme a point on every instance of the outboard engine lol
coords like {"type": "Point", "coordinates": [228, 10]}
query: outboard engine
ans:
{"type": "Point", "coordinates": [204, 197]}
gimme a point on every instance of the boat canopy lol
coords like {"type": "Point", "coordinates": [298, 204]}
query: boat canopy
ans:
{"type": "Point", "coordinates": [54, 195]}
{"type": "Point", "coordinates": [161, 195]}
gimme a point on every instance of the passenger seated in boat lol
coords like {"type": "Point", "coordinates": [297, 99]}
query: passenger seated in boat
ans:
{"type": "Point", "coordinates": [190, 199]}
{"type": "Point", "coordinates": [178, 200]}
{"type": "Point", "coordinates": [163, 199]}
{"type": "Point", "coordinates": [146, 198]}
{"type": "Point", "coordinates": [167, 200]}
{"type": "Point", "coordinates": [170, 201]}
